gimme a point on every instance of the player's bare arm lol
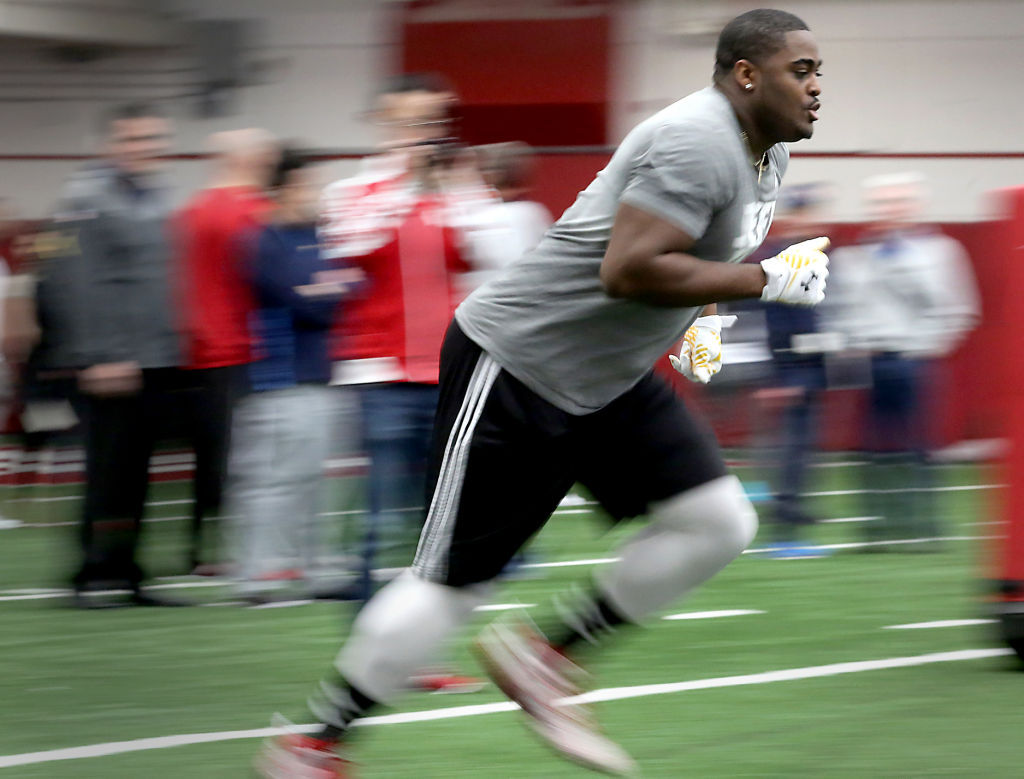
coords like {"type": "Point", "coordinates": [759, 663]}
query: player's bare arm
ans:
{"type": "Point", "coordinates": [647, 260]}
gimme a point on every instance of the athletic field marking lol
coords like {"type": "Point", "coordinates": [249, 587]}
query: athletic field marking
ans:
{"type": "Point", "coordinates": [576, 501]}
{"type": "Point", "coordinates": [73, 523]}
{"type": "Point", "coordinates": [768, 549]}
{"type": "Point", "coordinates": [573, 499]}
{"type": "Point", "coordinates": [849, 519]}
{"type": "Point", "coordinates": [284, 604]}
{"type": "Point", "coordinates": [36, 596]}
{"type": "Point", "coordinates": [44, 594]}
{"type": "Point", "coordinates": [865, 544]}
{"type": "Point", "coordinates": [787, 675]}
{"type": "Point", "coordinates": [60, 498]}
{"type": "Point", "coordinates": [609, 694]}
{"type": "Point", "coordinates": [19, 594]}
{"type": "Point", "coordinates": [32, 591]}
{"type": "Point", "coordinates": [573, 563]}
{"type": "Point", "coordinates": [955, 488]}
{"type": "Point", "coordinates": [179, 518]}
{"type": "Point", "coordinates": [942, 623]}
{"type": "Point", "coordinates": [505, 606]}
{"type": "Point", "coordinates": [713, 614]}
{"type": "Point", "coordinates": [569, 501]}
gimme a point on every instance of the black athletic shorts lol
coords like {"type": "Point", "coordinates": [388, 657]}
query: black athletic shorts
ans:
{"type": "Point", "coordinates": [503, 458]}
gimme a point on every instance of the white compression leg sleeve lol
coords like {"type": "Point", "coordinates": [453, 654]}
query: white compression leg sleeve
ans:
{"type": "Point", "coordinates": [692, 536]}
{"type": "Point", "coordinates": [400, 629]}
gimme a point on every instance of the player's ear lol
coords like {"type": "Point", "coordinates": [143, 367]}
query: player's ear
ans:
{"type": "Point", "coordinates": [744, 73]}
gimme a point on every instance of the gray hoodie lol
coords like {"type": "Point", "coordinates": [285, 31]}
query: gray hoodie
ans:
{"type": "Point", "coordinates": [108, 292]}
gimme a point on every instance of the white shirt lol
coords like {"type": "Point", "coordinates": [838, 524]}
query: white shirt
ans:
{"type": "Point", "coordinates": [505, 231]}
{"type": "Point", "coordinates": [913, 293]}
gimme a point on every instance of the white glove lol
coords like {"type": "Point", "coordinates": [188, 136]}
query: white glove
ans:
{"type": "Point", "coordinates": [700, 357]}
{"type": "Point", "coordinates": [796, 276]}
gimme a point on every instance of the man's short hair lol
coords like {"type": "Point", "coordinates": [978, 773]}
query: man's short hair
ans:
{"type": "Point", "coordinates": [129, 111]}
{"type": "Point", "coordinates": [509, 162]}
{"type": "Point", "coordinates": [291, 160]}
{"type": "Point", "coordinates": [754, 36]}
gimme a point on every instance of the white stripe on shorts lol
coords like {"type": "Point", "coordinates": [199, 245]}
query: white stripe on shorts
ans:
{"type": "Point", "coordinates": [431, 561]}
{"type": "Point", "coordinates": [431, 527]}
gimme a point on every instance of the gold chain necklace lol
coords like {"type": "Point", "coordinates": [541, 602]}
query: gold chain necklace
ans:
{"type": "Point", "coordinates": [759, 165]}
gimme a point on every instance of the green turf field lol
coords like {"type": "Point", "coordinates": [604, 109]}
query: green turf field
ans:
{"type": "Point", "coordinates": [74, 679]}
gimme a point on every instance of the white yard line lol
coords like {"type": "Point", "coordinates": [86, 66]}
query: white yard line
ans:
{"type": "Point", "coordinates": [285, 604]}
{"type": "Point", "coordinates": [713, 614]}
{"type": "Point", "coordinates": [955, 488]}
{"type": "Point", "coordinates": [16, 595]}
{"type": "Point", "coordinates": [35, 596]}
{"type": "Point", "coordinates": [608, 694]}
{"type": "Point", "coordinates": [865, 544]}
{"type": "Point", "coordinates": [13, 595]}
{"type": "Point", "coordinates": [571, 504]}
{"type": "Point", "coordinates": [767, 549]}
{"type": "Point", "coordinates": [838, 520]}
{"type": "Point", "coordinates": [572, 563]}
{"type": "Point", "coordinates": [179, 518]}
{"type": "Point", "coordinates": [942, 623]}
{"type": "Point", "coordinates": [790, 674]}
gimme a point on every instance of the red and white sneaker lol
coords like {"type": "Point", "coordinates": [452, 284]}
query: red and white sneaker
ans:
{"type": "Point", "coordinates": [298, 756]}
{"type": "Point", "coordinates": [445, 683]}
{"type": "Point", "coordinates": [528, 670]}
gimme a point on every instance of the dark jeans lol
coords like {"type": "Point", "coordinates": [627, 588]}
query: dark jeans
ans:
{"type": "Point", "coordinates": [798, 441]}
{"type": "Point", "coordinates": [398, 424]}
{"type": "Point", "coordinates": [120, 433]}
{"type": "Point", "coordinates": [898, 479]}
{"type": "Point", "coordinates": [897, 422]}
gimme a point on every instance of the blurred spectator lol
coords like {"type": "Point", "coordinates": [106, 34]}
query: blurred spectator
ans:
{"type": "Point", "coordinates": [405, 220]}
{"type": "Point", "coordinates": [19, 329]}
{"type": "Point", "coordinates": [511, 226]}
{"type": "Point", "coordinates": [211, 232]}
{"type": "Point", "coordinates": [281, 431]}
{"type": "Point", "coordinates": [799, 373]}
{"type": "Point", "coordinates": [7, 227]}
{"type": "Point", "coordinates": [927, 305]}
{"type": "Point", "coordinates": [45, 321]}
{"type": "Point", "coordinates": [113, 219]}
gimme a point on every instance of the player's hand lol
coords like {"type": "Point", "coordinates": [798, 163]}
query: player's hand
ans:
{"type": "Point", "coordinates": [700, 357]}
{"type": "Point", "coordinates": [796, 276]}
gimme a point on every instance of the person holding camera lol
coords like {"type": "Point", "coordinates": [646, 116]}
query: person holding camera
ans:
{"type": "Point", "coordinates": [403, 220]}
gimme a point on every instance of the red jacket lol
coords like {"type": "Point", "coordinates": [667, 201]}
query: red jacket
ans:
{"type": "Point", "coordinates": [212, 231]}
{"type": "Point", "coordinates": [411, 249]}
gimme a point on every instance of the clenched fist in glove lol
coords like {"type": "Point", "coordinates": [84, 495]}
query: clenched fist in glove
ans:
{"type": "Point", "coordinates": [700, 357]}
{"type": "Point", "coordinates": [796, 276]}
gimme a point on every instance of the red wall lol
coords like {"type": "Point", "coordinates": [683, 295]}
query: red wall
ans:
{"type": "Point", "coordinates": [542, 81]}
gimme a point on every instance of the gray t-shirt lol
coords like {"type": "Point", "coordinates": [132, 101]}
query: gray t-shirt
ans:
{"type": "Point", "coordinates": [547, 319]}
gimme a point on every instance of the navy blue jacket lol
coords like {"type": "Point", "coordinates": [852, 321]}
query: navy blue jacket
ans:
{"type": "Point", "coordinates": [290, 330]}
